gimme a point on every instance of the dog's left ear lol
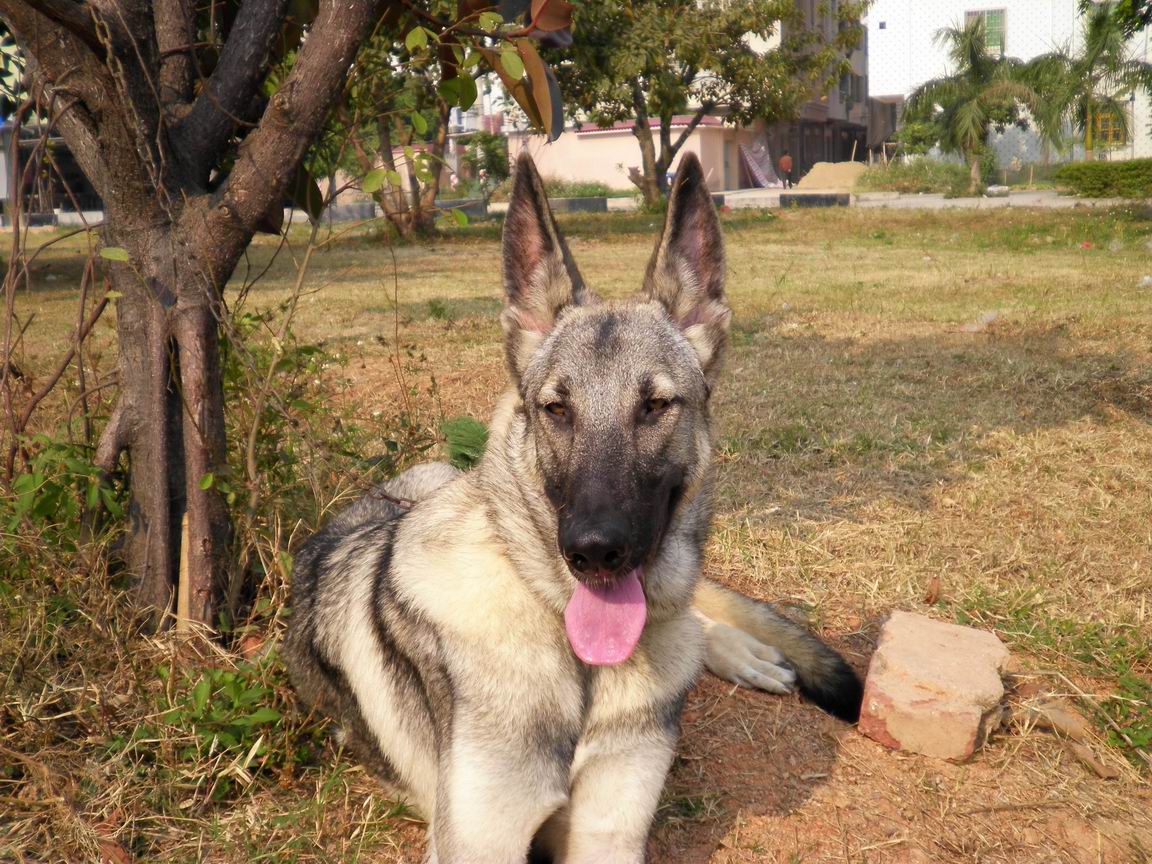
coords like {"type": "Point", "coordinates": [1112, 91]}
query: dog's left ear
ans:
{"type": "Point", "coordinates": [686, 273]}
{"type": "Point", "coordinates": [540, 277]}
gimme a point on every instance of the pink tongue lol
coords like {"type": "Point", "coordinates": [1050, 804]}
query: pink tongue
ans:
{"type": "Point", "coordinates": [604, 623]}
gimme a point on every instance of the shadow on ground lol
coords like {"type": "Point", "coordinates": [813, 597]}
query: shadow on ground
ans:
{"type": "Point", "coordinates": [819, 428]}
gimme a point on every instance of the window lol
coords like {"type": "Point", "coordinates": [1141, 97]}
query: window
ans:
{"type": "Point", "coordinates": [1109, 131]}
{"type": "Point", "coordinates": [993, 28]}
{"type": "Point", "coordinates": [883, 25]}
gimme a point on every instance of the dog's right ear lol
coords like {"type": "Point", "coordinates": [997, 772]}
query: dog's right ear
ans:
{"type": "Point", "coordinates": [540, 278]}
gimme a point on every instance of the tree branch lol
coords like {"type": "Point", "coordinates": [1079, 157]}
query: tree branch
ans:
{"type": "Point", "coordinates": [175, 28]}
{"type": "Point", "coordinates": [76, 18]}
{"type": "Point", "coordinates": [269, 156]}
{"type": "Point", "coordinates": [700, 114]}
{"type": "Point", "coordinates": [51, 382]}
{"type": "Point", "coordinates": [204, 133]}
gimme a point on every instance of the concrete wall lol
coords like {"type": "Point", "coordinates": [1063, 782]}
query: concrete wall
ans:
{"type": "Point", "coordinates": [605, 156]}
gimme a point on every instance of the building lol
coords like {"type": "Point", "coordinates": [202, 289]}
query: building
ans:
{"type": "Point", "coordinates": [608, 155]}
{"type": "Point", "coordinates": [830, 127]}
{"type": "Point", "coordinates": [904, 54]}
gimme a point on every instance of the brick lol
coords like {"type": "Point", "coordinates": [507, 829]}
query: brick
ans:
{"type": "Point", "coordinates": [934, 688]}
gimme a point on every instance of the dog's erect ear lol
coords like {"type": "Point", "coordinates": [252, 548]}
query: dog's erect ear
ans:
{"type": "Point", "coordinates": [540, 278]}
{"type": "Point", "coordinates": [686, 273]}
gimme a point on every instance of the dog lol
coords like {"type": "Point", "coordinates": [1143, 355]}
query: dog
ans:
{"type": "Point", "coordinates": [510, 648]}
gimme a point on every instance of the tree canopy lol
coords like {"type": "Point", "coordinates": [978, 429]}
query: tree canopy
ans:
{"type": "Point", "coordinates": [651, 60]}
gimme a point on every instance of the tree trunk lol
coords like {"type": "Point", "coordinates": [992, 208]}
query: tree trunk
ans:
{"type": "Point", "coordinates": [151, 434]}
{"type": "Point", "coordinates": [205, 450]}
{"type": "Point", "coordinates": [974, 176]}
{"type": "Point", "coordinates": [650, 187]}
{"type": "Point", "coordinates": [667, 153]}
{"type": "Point", "coordinates": [392, 200]}
{"type": "Point", "coordinates": [426, 213]}
{"type": "Point", "coordinates": [173, 405]}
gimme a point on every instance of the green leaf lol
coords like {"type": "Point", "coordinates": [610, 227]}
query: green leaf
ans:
{"type": "Point", "coordinates": [417, 38]}
{"type": "Point", "coordinates": [419, 123]}
{"type": "Point", "coordinates": [465, 439]}
{"type": "Point", "coordinates": [461, 217]}
{"type": "Point", "coordinates": [200, 694]}
{"type": "Point", "coordinates": [263, 715]}
{"type": "Point", "coordinates": [113, 295]}
{"type": "Point", "coordinates": [468, 94]}
{"type": "Point", "coordinates": [115, 253]}
{"type": "Point", "coordinates": [512, 63]}
{"type": "Point", "coordinates": [460, 91]}
{"type": "Point", "coordinates": [373, 180]}
{"type": "Point", "coordinates": [490, 20]}
{"type": "Point", "coordinates": [110, 502]}
{"type": "Point", "coordinates": [207, 480]}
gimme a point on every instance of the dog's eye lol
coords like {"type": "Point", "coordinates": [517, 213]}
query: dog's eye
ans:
{"type": "Point", "coordinates": [654, 407]}
{"type": "Point", "coordinates": [557, 409]}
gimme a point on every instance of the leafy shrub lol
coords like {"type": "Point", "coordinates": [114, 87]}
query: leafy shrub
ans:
{"type": "Point", "coordinates": [486, 156]}
{"type": "Point", "coordinates": [919, 136]}
{"type": "Point", "coordinates": [1131, 178]}
{"type": "Point", "coordinates": [217, 728]}
{"type": "Point", "coordinates": [558, 188]}
{"type": "Point", "coordinates": [917, 175]}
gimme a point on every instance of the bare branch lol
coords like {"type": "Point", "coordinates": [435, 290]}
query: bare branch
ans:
{"type": "Point", "coordinates": [236, 79]}
{"type": "Point", "coordinates": [688, 130]}
{"type": "Point", "coordinates": [51, 382]}
{"type": "Point", "coordinates": [294, 116]}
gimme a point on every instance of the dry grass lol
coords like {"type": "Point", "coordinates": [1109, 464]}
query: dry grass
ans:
{"type": "Point", "coordinates": [958, 395]}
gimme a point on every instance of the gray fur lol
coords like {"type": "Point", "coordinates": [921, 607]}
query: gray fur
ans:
{"type": "Point", "coordinates": [428, 616]}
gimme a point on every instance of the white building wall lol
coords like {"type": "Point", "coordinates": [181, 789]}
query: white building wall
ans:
{"type": "Point", "coordinates": [902, 48]}
{"type": "Point", "coordinates": [903, 54]}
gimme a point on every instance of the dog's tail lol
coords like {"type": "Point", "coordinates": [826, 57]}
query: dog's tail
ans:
{"type": "Point", "coordinates": [821, 674]}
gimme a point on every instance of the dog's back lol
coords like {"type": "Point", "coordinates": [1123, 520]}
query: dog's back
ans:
{"type": "Point", "coordinates": [361, 537]}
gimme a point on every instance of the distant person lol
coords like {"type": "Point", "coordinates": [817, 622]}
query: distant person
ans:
{"type": "Point", "coordinates": [786, 169]}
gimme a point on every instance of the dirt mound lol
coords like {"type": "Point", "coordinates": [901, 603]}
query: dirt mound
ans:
{"type": "Point", "coordinates": [833, 175]}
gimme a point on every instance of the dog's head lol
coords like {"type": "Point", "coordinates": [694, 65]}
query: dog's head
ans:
{"type": "Point", "coordinates": [615, 395]}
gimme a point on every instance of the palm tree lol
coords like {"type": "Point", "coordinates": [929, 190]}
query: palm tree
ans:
{"type": "Point", "coordinates": [983, 91]}
{"type": "Point", "coordinates": [1093, 85]}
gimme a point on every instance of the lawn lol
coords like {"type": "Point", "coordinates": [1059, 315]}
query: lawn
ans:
{"type": "Point", "coordinates": [948, 412]}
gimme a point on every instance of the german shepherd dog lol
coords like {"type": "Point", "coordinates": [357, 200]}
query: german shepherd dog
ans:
{"type": "Point", "coordinates": [511, 652]}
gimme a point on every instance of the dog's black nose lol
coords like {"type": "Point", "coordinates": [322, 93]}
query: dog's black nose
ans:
{"type": "Point", "coordinates": [595, 549]}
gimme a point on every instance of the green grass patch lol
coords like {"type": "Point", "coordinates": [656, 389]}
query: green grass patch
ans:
{"type": "Point", "coordinates": [924, 175]}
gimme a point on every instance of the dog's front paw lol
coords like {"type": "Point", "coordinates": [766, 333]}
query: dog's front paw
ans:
{"type": "Point", "coordinates": [744, 660]}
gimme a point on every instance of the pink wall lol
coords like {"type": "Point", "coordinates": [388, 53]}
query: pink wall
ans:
{"type": "Point", "coordinates": [606, 156]}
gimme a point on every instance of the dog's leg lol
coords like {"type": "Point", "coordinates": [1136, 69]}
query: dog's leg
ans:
{"type": "Point", "coordinates": [614, 799]}
{"type": "Point", "coordinates": [492, 799]}
{"type": "Point", "coordinates": [751, 644]}
{"type": "Point", "coordinates": [741, 658]}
